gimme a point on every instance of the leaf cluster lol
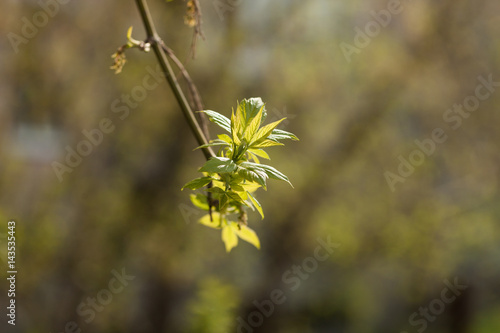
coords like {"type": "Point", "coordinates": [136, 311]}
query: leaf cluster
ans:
{"type": "Point", "coordinates": [236, 172]}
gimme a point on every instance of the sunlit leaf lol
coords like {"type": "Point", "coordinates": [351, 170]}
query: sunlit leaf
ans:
{"type": "Point", "coordinates": [218, 165]}
{"type": "Point", "coordinates": [274, 174]}
{"type": "Point", "coordinates": [235, 129]}
{"type": "Point", "coordinates": [129, 32]}
{"type": "Point", "coordinates": [265, 131]}
{"type": "Point", "coordinates": [197, 183]}
{"type": "Point", "coordinates": [250, 107]}
{"type": "Point", "coordinates": [218, 119]}
{"type": "Point", "coordinates": [236, 186]}
{"type": "Point", "coordinates": [259, 152]}
{"type": "Point", "coordinates": [254, 157]}
{"type": "Point", "coordinates": [234, 178]}
{"type": "Point", "coordinates": [225, 138]}
{"type": "Point", "coordinates": [199, 200]}
{"type": "Point", "coordinates": [218, 184]}
{"type": "Point", "coordinates": [214, 223]}
{"type": "Point", "coordinates": [278, 134]}
{"type": "Point", "coordinates": [253, 127]}
{"type": "Point", "coordinates": [216, 190]}
{"type": "Point", "coordinates": [268, 170]}
{"type": "Point", "coordinates": [240, 117]}
{"type": "Point", "coordinates": [266, 143]}
{"type": "Point", "coordinates": [233, 196]}
{"type": "Point", "coordinates": [223, 200]}
{"type": "Point", "coordinates": [248, 235]}
{"type": "Point", "coordinates": [229, 237]}
{"type": "Point", "coordinates": [251, 186]}
{"type": "Point", "coordinates": [243, 195]}
{"type": "Point", "coordinates": [253, 175]}
{"type": "Point", "coordinates": [216, 142]}
{"type": "Point", "coordinates": [256, 204]}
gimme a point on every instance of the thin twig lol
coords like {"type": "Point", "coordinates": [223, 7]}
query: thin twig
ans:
{"type": "Point", "coordinates": [198, 104]}
{"type": "Point", "coordinates": [195, 95]}
{"type": "Point", "coordinates": [197, 32]}
{"type": "Point", "coordinates": [160, 49]}
{"type": "Point", "coordinates": [154, 39]}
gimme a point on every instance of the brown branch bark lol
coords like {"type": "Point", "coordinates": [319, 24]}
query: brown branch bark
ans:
{"type": "Point", "coordinates": [156, 44]}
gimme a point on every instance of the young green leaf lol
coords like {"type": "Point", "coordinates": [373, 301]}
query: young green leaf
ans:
{"type": "Point", "coordinates": [251, 186]}
{"type": "Point", "coordinates": [223, 200]}
{"type": "Point", "coordinates": [229, 237]}
{"type": "Point", "coordinates": [218, 164]}
{"type": "Point", "coordinates": [197, 183]}
{"type": "Point", "coordinates": [225, 138]}
{"type": "Point", "coordinates": [235, 129]}
{"type": "Point", "coordinates": [275, 174]}
{"type": "Point", "coordinates": [239, 115]}
{"type": "Point", "coordinates": [253, 157]}
{"type": "Point", "coordinates": [236, 186]}
{"type": "Point", "coordinates": [268, 170]}
{"type": "Point", "coordinates": [199, 200]}
{"type": "Point", "coordinates": [248, 235]}
{"type": "Point", "coordinates": [216, 190]}
{"type": "Point", "coordinates": [278, 134]}
{"type": "Point", "coordinates": [216, 142]}
{"type": "Point", "coordinates": [244, 196]}
{"type": "Point", "coordinates": [253, 175]}
{"type": "Point", "coordinates": [266, 143]}
{"type": "Point", "coordinates": [129, 32]}
{"type": "Point", "coordinates": [218, 119]}
{"type": "Point", "coordinates": [214, 222]}
{"type": "Point", "coordinates": [259, 152]}
{"type": "Point", "coordinates": [250, 107]}
{"type": "Point", "coordinates": [265, 131]}
{"type": "Point", "coordinates": [233, 178]}
{"type": "Point", "coordinates": [253, 127]}
{"type": "Point", "coordinates": [256, 204]}
{"type": "Point", "coordinates": [233, 196]}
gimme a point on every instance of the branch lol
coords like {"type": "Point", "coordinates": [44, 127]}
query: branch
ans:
{"type": "Point", "coordinates": [195, 95]}
{"type": "Point", "coordinates": [152, 36]}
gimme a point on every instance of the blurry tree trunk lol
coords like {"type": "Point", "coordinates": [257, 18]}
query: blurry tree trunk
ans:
{"type": "Point", "coordinates": [460, 313]}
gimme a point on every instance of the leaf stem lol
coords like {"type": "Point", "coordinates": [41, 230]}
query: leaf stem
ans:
{"type": "Point", "coordinates": [155, 40]}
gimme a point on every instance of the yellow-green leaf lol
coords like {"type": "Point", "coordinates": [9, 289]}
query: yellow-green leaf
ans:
{"type": "Point", "coordinates": [253, 175]}
{"type": "Point", "coordinates": [225, 137]}
{"type": "Point", "coordinates": [214, 223]}
{"type": "Point", "coordinates": [248, 235]}
{"type": "Point", "coordinates": [218, 164]}
{"type": "Point", "coordinates": [235, 128]}
{"type": "Point", "coordinates": [197, 183]}
{"type": "Point", "coordinates": [265, 131]}
{"type": "Point", "coordinates": [266, 143]}
{"type": "Point", "coordinates": [250, 186]}
{"type": "Point", "coordinates": [219, 184]}
{"type": "Point", "coordinates": [278, 134]}
{"type": "Point", "coordinates": [199, 200]}
{"type": "Point", "coordinates": [218, 119]}
{"type": "Point", "coordinates": [253, 126]}
{"type": "Point", "coordinates": [259, 152]}
{"type": "Point", "coordinates": [250, 107]}
{"type": "Point", "coordinates": [256, 204]}
{"type": "Point", "coordinates": [254, 157]}
{"type": "Point", "coordinates": [229, 237]}
{"type": "Point", "coordinates": [212, 143]}
{"type": "Point", "coordinates": [242, 195]}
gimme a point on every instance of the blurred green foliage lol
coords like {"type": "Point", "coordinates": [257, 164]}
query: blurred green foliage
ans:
{"type": "Point", "coordinates": [213, 309]}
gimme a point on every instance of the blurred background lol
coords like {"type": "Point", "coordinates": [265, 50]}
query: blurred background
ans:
{"type": "Point", "coordinates": [109, 243]}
